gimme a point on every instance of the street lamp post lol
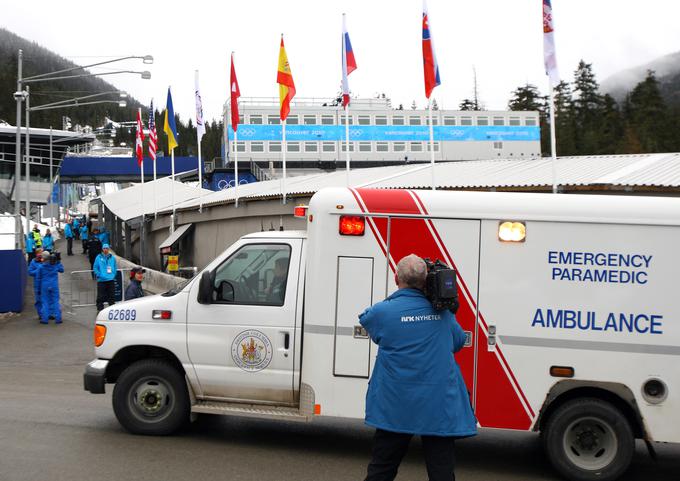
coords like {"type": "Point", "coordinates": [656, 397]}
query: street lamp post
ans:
{"type": "Point", "coordinates": [18, 95]}
{"type": "Point", "coordinates": [28, 162]}
{"type": "Point", "coordinates": [21, 95]}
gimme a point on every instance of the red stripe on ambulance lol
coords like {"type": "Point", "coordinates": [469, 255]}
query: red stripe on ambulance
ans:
{"type": "Point", "coordinates": [500, 402]}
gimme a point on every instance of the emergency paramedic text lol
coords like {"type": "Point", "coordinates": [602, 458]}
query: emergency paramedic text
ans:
{"type": "Point", "coordinates": [615, 268]}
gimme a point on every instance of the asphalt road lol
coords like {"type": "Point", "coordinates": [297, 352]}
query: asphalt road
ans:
{"type": "Point", "coordinates": [50, 429]}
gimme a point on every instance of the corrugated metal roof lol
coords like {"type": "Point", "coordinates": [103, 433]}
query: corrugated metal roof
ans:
{"type": "Point", "coordinates": [130, 203]}
{"type": "Point", "coordinates": [660, 170]}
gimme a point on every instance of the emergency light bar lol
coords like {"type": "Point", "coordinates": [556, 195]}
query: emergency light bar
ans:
{"type": "Point", "coordinates": [352, 225]}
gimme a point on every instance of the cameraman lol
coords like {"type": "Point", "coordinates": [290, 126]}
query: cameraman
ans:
{"type": "Point", "coordinates": [49, 287]}
{"type": "Point", "coordinates": [416, 387]}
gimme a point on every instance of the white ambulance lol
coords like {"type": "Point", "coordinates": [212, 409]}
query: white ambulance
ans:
{"type": "Point", "coordinates": [570, 302]}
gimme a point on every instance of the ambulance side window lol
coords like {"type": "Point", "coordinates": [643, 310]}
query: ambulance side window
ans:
{"type": "Point", "coordinates": [255, 274]}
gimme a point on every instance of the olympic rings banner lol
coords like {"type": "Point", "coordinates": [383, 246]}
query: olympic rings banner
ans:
{"type": "Point", "coordinates": [386, 133]}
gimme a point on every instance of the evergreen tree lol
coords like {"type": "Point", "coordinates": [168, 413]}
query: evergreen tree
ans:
{"type": "Point", "coordinates": [565, 125]}
{"type": "Point", "coordinates": [587, 109]}
{"type": "Point", "coordinates": [468, 104]}
{"type": "Point", "coordinates": [611, 131]}
{"type": "Point", "coordinates": [528, 98]}
{"type": "Point", "coordinates": [435, 105]}
{"type": "Point", "coordinates": [413, 105]}
{"type": "Point", "coordinates": [648, 116]}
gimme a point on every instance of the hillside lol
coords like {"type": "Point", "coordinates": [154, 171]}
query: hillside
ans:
{"type": "Point", "coordinates": [38, 60]}
{"type": "Point", "coordinates": [667, 71]}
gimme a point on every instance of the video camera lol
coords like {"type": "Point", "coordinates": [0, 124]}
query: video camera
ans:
{"type": "Point", "coordinates": [440, 286]}
{"type": "Point", "coordinates": [55, 257]}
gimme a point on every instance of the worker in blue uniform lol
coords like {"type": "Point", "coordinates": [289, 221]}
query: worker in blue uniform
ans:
{"type": "Point", "coordinates": [84, 237]}
{"type": "Point", "coordinates": [48, 241]}
{"type": "Point", "coordinates": [68, 233]}
{"type": "Point", "coordinates": [49, 287]}
{"type": "Point", "coordinates": [105, 269]}
{"type": "Point", "coordinates": [416, 387]}
{"type": "Point", "coordinates": [30, 248]}
{"type": "Point", "coordinates": [76, 228]}
{"type": "Point", "coordinates": [34, 272]}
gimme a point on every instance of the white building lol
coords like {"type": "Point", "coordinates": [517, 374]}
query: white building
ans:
{"type": "Point", "coordinates": [379, 134]}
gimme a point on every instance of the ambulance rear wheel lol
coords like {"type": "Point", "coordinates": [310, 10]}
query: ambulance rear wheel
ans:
{"type": "Point", "coordinates": [151, 397]}
{"type": "Point", "coordinates": [589, 439]}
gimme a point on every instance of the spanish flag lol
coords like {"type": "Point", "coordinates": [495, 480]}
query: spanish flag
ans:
{"type": "Point", "coordinates": [284, 77]}
{"type": "Point", "coordinates": [169, 126]}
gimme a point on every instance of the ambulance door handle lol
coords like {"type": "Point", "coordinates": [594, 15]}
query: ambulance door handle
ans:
{"type": "Point", "coordinates": [286, 340]}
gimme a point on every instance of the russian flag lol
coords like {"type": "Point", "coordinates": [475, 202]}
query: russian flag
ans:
{"type": "Point", "coordinates": [349, 63]}
{"type": "Point", "coordinates": [430, 66]}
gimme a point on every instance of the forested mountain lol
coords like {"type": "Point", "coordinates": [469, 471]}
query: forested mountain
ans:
{"type": "Point", "coordinates": [37, 60]}
{"type": "Point", "coordinates": [666, 70]}
{"type": "Point", "coordinates": [590, 122]}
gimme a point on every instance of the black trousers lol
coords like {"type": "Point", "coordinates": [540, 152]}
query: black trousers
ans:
{"type": "Point", "coordinates": [69, 246]}
{"type": "Point", "coordinates": [106, 292]}
{"type": "Point", "coordinates": [390, 448]}
{"type": "Point", "coordinates": [84, 241]}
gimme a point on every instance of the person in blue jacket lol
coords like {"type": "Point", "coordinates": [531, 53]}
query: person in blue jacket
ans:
{"type": "Point", "coordinates": [103, 236]}
{"type": "Point", "coordinates": [76, 228]}
{"type": "Point", "coordinates": [105, 269]}
{"type": "Point", "coordinates": [416, 387]}
{"type": "Point", "coordinates": [48, 241]}
{"type": "Point", "coordinates": [84, 237]}
{"type": "Point", "coordinates": [30, 248]}
{"type": "Point", "coordinates": [33, 271]}
{"type": "Point", "coordinates": [49, 288]}
{"type": "Point", "coordinates": [68, 233]}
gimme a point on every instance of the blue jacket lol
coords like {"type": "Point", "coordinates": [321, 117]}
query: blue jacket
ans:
{"type": "Point", "coordinates": [49, 275]}
{"type": "Point", "coordinates": [416, 386]}
{"type": "Point", "coordinates": [68, 232]}
{"type": "Point", "coordinates": [83, 232]}
{"type": "Point", "coordinates": [101, 263]}
{"type": "Point", "coordinates": [48, 243]}
{"type": "Point", "coordinates": [76, 223]}
{"type": "Point", "coordinates": [34, 271]}
{"type": "Point", "coordinates": [30, 245]}
{"type": "Point", "coordinates": [104, 237]}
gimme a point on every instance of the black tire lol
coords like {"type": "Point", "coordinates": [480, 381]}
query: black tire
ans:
{"type": "Point", "coordinates": [589, 439]}
{"type": "Point", "coordinates": [151, 398]}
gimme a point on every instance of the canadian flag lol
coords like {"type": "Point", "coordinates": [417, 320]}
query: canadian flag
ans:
{"type": "Point", "coordinates": [139, 146]}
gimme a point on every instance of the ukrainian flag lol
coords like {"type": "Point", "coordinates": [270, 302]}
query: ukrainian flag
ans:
{"type": "Point", "coordinates": [169, 126]}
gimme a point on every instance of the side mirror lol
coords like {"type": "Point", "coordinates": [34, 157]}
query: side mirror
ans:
{"type": "Point", "coordinates": [205, 288]}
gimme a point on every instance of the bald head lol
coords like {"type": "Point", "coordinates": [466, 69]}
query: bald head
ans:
{"type": "Point", "coordinates": [411, 272]}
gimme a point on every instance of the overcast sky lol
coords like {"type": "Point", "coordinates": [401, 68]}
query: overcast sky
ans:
{"type": "Point", "coordinates": [502, 39]}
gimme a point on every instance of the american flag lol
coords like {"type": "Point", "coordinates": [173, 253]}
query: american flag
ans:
{"type": "Point", "coordinates": [153, 137]}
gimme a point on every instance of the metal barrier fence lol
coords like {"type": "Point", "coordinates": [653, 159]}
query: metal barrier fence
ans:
{"type": "Point", "coordinates": [83, 287]}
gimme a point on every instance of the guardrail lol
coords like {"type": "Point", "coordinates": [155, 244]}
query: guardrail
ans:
{"type": "Point", "coordinates": [83, 287]}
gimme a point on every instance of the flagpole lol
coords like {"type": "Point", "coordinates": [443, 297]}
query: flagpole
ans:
{"type": "Point", "coordinates": [141, 229]}
{"type": "Point", "coordinates": [172, 190]}
{"type": "Point", "coordinates": [283, 150]}
{"type": "Point", "coordinates": [347, 140]}
{"type": "Point", "coordinates": [155, 203]}
{"type": "Point", "coordinates": [429, 108]}
{"type": "Point", "coordinates": [236, 166]}
{"type": "Point", "coordinates": [553, 139]}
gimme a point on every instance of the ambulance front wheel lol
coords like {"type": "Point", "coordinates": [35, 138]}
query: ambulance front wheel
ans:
{"type": "Point", "coordinates": [589, 439]}
{"type": "Point", "coordinates": [151, 397]}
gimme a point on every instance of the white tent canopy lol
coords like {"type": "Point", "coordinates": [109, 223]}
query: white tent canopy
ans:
{"type": "Point", "coordinates": [149, 197]}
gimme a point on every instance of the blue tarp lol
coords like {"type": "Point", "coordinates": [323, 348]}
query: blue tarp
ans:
{"type": "Point", "coordinates": [74, 166]}
{"type": "Point", "coordinates": [12, 281]}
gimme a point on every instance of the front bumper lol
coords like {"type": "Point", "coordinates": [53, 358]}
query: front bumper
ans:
{"type": "Point", "coordinates": [94, 378]}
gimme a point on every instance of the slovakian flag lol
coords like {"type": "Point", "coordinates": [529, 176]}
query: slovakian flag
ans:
{"type": "Point", "coordinates": [549, 52]}
{"type": "Point", "coordinates": [349, 63]}
{"type": "Point", "coordinates": [284, 77]}
{"type": "Point", "coordinates": [235, 93]}
{"type": "Point", "coordinates": [169, 126]}
{"type": "Point", "coordinates": [430, 66]}
{"type": "Point", "coordinates": [139, 144]}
